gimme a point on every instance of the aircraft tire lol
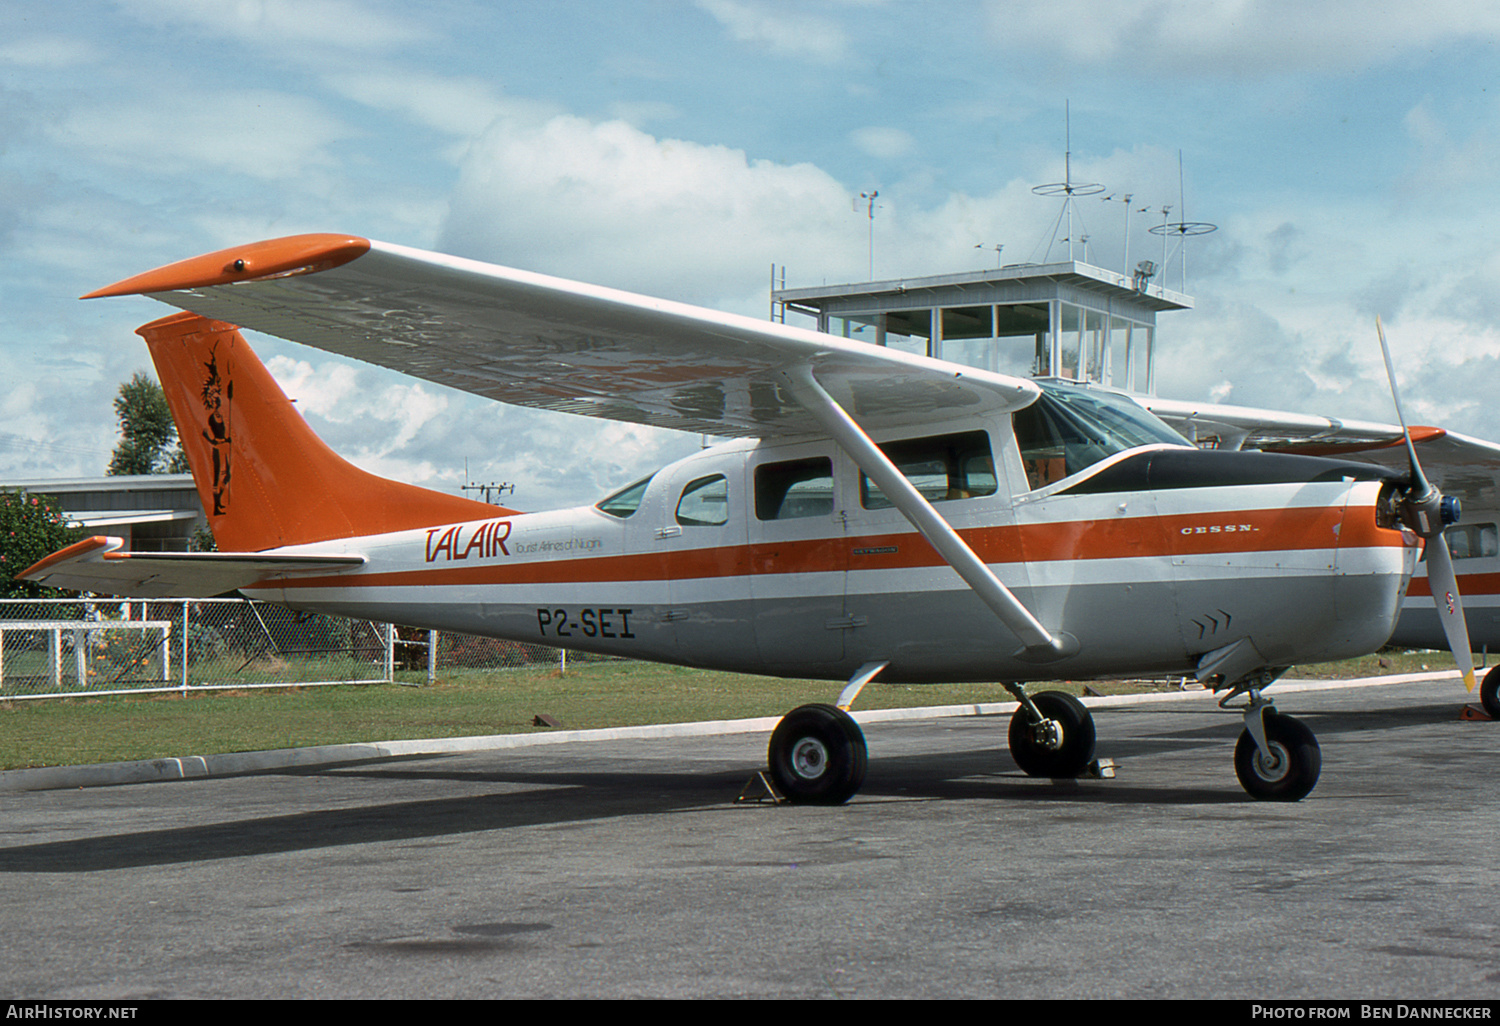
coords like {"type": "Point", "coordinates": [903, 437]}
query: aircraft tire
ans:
{"type": "Point", "coordinates": [1078, 737]}
{"type": "Point", "coordinates": [818, 756]}
{"type": "Point", "coordinates": [1299, 760]}
{"type": "Point", "coordinates": [1489, 693]}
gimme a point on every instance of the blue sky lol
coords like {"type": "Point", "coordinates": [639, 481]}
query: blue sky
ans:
{"type": "Point", "coordinates": [679, 148]}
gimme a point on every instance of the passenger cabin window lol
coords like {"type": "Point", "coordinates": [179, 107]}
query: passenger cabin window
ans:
{"type": "Point", "coordinates": [793, 489]}
{"type": "Point", "coordinates": [1069, 429]}
{"type": "Point", "coordinates": [704, 502]}
{"type": "Point", "coordinates": [941, 468]}
{"type": "Point", "coordinates": [626, 501]}
{"type": "Point", "coordinates": [1472, 541]}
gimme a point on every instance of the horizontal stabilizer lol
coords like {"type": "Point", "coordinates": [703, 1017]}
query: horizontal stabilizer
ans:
{"type": "Point", "coordinates": [97, 565]}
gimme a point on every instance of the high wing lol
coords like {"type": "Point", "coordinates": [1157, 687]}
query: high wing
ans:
{"type": "Point", "coordinates": [97, 565]}
{"type": "Point", "coordinates": [1466, 467]}
{"type": "Point", "coordinates": [543, 342]}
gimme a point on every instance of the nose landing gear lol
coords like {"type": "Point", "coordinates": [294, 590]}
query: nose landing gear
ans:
{"type": "Point", "coordinates": [1276, 758]}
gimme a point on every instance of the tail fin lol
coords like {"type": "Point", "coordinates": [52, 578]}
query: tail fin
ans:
{"type": "Point", "coordinates": [264, 478]}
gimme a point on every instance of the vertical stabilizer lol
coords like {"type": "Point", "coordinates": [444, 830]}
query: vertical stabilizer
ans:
{"type": "Point", "coordinates": [265, 479]}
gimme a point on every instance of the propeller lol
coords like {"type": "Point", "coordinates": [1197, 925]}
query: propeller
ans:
{"type": "Point", "coordinates": [1427, 511]}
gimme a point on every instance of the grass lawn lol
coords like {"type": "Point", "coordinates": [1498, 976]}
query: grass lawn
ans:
{"type": "Point", "coordinates": [74, 731]}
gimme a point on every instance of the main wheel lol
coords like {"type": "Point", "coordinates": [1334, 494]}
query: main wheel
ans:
{"type": "Point", "coordinates": [1291, 771]}
{"type": "Point", "coordinates": [1489, 693]}
{"type": "Point", "coordinates": [1075, 747]}
{"type": "Point", "coordinates": [818, 755]}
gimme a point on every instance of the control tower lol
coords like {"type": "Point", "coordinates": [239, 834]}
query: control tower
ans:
{"type": "Point", "coordinates": [1068, 320]}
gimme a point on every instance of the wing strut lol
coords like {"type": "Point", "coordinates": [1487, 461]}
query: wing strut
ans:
{"type": "Point", "coordinates": [1040, 645]}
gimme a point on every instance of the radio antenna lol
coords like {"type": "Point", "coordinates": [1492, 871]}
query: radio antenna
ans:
{"type": "Point", "coordinates": [1182, 229]}
{"type": "Point", "coordinates": [1067, 188]}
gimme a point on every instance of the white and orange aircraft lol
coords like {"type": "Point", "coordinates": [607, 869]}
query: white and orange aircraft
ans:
{"type": "Point", "coordinates": [874, 514]}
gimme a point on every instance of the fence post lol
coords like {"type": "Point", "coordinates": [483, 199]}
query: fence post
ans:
{"type": "Point", "coordinates": [432, 644]}
{"type": "Point", "coordinates": [390, 652]}
{"type": "Point", "coordinates": [186, 630]}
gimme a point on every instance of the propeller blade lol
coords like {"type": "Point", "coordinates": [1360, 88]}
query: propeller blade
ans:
{"type": "Point", "coordinates": [1444, 584]}
{"type": "Point", "coordinates": [1428, 512]}
{"type": "Point", "coordinates": [1420, 486]}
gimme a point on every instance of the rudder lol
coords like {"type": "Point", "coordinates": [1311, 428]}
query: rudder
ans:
{"type": "Point", "coordinates": [265, 479]}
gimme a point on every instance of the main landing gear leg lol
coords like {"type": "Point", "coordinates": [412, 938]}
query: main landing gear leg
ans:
{"type": "Point", "coordinates": [1052, 734]}
{"type": "Point", "coordinates": [1277, 758]}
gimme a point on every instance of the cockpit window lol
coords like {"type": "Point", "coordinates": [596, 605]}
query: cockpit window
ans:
{"type": "Point", "coordinates": [705, 502]}
{"type": "Point", "coordinates": [1068, 429]}
{"type": "Point", "coordinates": [626, 501]}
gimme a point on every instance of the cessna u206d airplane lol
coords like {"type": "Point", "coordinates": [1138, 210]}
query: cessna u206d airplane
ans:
{"type": "Point", "coordinates": [873, 513]}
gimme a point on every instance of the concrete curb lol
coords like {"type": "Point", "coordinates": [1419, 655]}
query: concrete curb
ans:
{"type": "Point", "coordinates": [236, 763]}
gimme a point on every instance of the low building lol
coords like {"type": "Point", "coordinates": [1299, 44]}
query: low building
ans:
{"type": "Point", "coordinates": [152, 512]}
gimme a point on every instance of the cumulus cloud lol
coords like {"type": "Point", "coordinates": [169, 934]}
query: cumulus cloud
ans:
{"type": "Point", "coordinates": [47, 51]}
{"type": "Point", "coordinates": [1240, 37]}
{"type": "Point", "coordinates": [883, 142]}
{"type": "Point", "coordinates": [614, 205]}
{"type": "Point", "coordinates": [463, 107]}
{"type": "Point", "coordinates": [336, 24]}
{"type": "Point", "coordinates": [784, 29]}
{"type": "Point", "coordinates": [258, 133]}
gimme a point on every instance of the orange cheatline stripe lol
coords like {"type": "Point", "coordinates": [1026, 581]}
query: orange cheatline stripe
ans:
{"type": "Point", "coordinates": [1271, 531]}
{"type": "Point", "coordinates": [1468, 584]}
{"type": "Point", "coordinates": [294, 254]}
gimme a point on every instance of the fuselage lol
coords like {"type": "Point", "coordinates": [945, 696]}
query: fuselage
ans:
{"type": "Point", "coordinates": [783, 558]}
{"type": "Point", "coordinates": [1475, 547]}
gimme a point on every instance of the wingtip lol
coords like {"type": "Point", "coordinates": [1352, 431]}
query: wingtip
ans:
{"type": "Point", "coordinates": [273, 258]}
{"type": "Point", "coordinates": [79, 549]}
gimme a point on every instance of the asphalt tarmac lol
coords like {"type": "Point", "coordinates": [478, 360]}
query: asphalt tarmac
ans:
{"type": "Point", "coordinates": [625, 868]}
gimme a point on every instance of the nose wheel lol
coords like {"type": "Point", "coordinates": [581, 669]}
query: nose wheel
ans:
{"type": "Point", "coordinates": [1282, 766]}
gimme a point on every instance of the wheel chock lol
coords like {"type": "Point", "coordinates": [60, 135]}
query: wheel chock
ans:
{"type": "Point", "coordinates": [1474, 712]}
{"type": "Point", "coordinates": [760, 789]}
{"type": "Point", "coordinates": [1101, 769]}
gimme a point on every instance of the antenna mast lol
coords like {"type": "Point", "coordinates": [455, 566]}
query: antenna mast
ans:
{"type": "Point", "coordinates": [1067, 188]}
{"type": "Point", "coordinates": [1182, 229]}
{"type": "Point", "coordinates": [870, 198]}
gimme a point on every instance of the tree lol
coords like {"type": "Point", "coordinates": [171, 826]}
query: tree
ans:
{"type": "Point", "coordinates": [31, 527]}
{"type": "Point", "coordinates": [148, 438]}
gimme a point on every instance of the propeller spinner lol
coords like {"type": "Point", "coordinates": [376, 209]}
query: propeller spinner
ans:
{"type": "Point", "coordinates": [1428, 511]}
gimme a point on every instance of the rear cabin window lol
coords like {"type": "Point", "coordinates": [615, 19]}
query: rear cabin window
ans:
{"type": "Point", "coordinates": [941, 468]}
{"type": "Point", "coordinates": [1471, 541]}
{"type": "Point", "coordinates": [794, 489]}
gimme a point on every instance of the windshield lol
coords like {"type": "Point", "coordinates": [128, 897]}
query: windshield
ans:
{"type": "Point", "coordinates": [626, 501]}
{"type": "Point", "coordinates": [1068, 429]}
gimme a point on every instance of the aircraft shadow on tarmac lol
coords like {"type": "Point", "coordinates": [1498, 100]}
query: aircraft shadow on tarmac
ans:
{"type": "Point", "coordinates": [581, 795]}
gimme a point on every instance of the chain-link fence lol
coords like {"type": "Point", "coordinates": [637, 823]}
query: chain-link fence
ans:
{"type": "Point", "coordinates": [58, 647]}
